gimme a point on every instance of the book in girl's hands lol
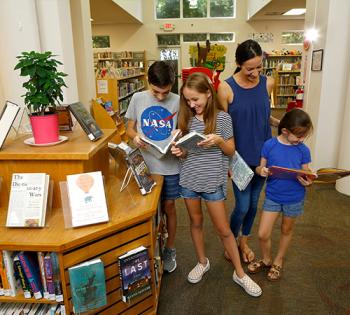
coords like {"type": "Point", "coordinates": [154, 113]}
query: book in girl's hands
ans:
{"type": "Point", "coordinates": [87, 198]}
{"type": "Point", "coordinates": [85, 120]}
{"type": "Point", "coordinates": [323, 175]}
{"type": "Point", "coordinates": [135, 274]}
{"type": "Point", "coordinates": [7, 117]}
{"type": "Point", "coordinates": [87, 284]}
{"type": "Point", "coordinates": [242, 174]}
{"type": "Point", "coordinates": [28, 200]}
{"type": "Point", "coordinates": [158, 151]}
{"type": "Point", "coordinates": [190, 141]}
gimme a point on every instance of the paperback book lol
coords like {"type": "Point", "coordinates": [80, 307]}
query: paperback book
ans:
{"type": "Point", "coordinates": [135, 274]}
{"type": "Point", "coordinates": [7, 117]}
{"type": "Point", "coordinates": [156, 150]}
{"type": "Point", "coordinates": [86, 121]}
{"type": "Point", "coordinates": [190, 141]}
{"type": "Point", "coordinates": [87, 198]}
{"type": "Point", "coordinates": [88, 287]}
{"type": "Point", "coordinates": [242, 174]}
{"type": "Point", "coordinates": [28, 200]}
{"type": "Point", "coordinates": [323, 175]}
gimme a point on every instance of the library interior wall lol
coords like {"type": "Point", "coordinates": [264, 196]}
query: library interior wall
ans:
{"type": "Point", "coordinates": [143, 37]}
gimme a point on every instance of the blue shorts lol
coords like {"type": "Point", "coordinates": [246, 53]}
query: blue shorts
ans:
{"type": "Point", "coordinates": [218, 195]}
{"type": "Point", "coordinates": [290, 210]}
{"type": "Point", "coordinates": [171, 187]}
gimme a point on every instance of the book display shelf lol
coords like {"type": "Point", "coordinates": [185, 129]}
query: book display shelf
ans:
{"type": "Point", "coordinates": [286, 71]}
{"type": "Point", "coordinates": [132, 220]}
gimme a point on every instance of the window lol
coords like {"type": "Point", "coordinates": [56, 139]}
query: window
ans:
{"type": "Point", "coordinates": [222, 8]}
{"type": "Point", "coordinates": [166, 9]}
{"type": "Point", "coordinates": [292, 37]}
{"type": "Point", "coordinates": [100, 42]}
{"type": "Point", "coordinates": [176, 9]}
{"type": "Point", "coordinates": [169, 40]}
{"type": "Point", "coordinates": [199, 37]}
{"type": "Point", "coordinates": [221, 37]}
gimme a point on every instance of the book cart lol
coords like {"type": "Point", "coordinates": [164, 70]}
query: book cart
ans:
{"type": "Point", "coordinates": [132, 219]}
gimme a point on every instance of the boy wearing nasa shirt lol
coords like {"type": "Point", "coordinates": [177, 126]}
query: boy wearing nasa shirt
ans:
{"type": "Point", "coordinates": [153, 114]}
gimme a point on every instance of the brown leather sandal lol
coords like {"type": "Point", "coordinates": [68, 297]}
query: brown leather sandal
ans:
{"type": "Point", "coordinates": [257, 265]}
{"type": "Point", "coordinates": [275, 273]}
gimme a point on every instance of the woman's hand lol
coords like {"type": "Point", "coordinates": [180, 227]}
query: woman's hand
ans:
{"type": "Point", "coordinates": [138, 142]}
{"type": "Point", "coordinates": [211, 140]}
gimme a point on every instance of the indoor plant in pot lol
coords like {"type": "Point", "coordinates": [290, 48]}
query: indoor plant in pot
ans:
{"type": "Point", "coordinates": [44, 91]}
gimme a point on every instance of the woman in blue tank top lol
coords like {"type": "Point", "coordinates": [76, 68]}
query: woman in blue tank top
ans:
{"type": "Point", "coordinates": [246, 97]}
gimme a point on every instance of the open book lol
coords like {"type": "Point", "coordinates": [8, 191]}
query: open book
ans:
{"type": "Point", "coordinates": [190, 141]}
{"type": "Point", "coordinates": [323, 175]}
{"type": "Point", "coordinates": [242, 174]}
{"type": "Point", "coordinates": [158, 151]}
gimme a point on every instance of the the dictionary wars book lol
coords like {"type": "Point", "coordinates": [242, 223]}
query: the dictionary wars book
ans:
{"type": "Point", "coordinates": [242, 174]}
{"type": "Point", "coordinates": [85, 120]}
{"type": "Point", "coordinates": [158, 151]}
{"type": "Point", "coordinates": [323, 175]}
{"type": "Point", "coordinates": [135, 274]}
{"type": "Point", "coordinates": [88, 287]}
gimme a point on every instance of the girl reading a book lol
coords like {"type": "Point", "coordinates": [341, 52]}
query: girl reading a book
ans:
{"type": "Point", "coordinates": [203, 173]}
{"type": "Point", "coordinates": [285, 196]}
{"type": "Point", "coordinates": [246, 97]}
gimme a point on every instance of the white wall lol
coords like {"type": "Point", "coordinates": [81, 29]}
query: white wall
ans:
{"type": "Point", "coordinates": [133, 7]}
{"type": "Point", "coordinates": [255, 5]}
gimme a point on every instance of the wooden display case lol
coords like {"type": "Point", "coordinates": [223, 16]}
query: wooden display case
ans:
{"type": "Point", "coordinates": [131, 224]}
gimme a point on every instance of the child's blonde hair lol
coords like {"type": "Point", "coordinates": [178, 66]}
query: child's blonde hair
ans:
{"type": "Point", "coordinates": [201, 83]}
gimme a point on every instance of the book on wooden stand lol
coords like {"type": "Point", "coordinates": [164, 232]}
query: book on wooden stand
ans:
{"type": "Point", "coordinates": [83, 199]}
{"type": "Point", "coordinates": [136, 167]}
{"type": "Point", "coordinates": [30, 199]}
{"type": "Point", "coordinates": [7, 117]}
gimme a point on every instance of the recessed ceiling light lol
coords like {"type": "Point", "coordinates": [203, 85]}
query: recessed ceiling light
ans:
{"type": "Point", "coordinates": [295, 12]}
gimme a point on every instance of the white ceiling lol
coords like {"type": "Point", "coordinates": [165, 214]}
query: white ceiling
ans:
{"type": "Point", "coordinates": [274, 10]}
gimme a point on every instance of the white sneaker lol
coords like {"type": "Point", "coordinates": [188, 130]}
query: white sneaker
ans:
{"type": "Point", "coordinates": [197, 272]}
{"type": "Point", "coordinates": [247, 284]}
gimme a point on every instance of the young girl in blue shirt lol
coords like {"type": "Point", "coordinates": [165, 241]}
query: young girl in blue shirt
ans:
{"type": "Point", "coordinates": [285, 196]}
{"type": "Point", "coordinates": [203, 173]}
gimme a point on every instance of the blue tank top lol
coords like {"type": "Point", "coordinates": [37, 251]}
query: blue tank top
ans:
{"type": "Point", "coordinates": [250, 112]}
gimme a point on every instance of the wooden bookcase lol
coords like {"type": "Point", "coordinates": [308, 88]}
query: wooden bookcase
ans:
{"type": "Point", "coordinates": [119, 75]}
{"type": "Point", "coordinates": [132, 223]}
{"type": "Point", "coordinates": [286, 71]}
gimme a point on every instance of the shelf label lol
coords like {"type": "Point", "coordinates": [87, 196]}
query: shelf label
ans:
{"type": "Point", "coordinates": [102, 86]}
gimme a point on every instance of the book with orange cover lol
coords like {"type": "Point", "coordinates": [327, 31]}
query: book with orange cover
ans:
{"type": "Point", "coordinates": [323, 175]}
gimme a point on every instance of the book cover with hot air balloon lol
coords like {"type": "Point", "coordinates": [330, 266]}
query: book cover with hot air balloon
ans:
{"type": "Point", "coordinates": [87, 198]}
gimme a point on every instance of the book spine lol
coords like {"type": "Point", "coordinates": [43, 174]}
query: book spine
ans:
{"type": "Point", "coordinates": [8, 263]}
{"type": "Point", "coordinates": [56, 277]}
{"type": "Point", "coordinates": [22, 277]}
{"type": "Point", "coordinates": [49, 277]}
{"type": "Point", "coordinates": [29, 271]}
{"type": "Point", "coordinates": [5, 285]}
{"type": "Point", "coordinates": [82, 124]}
{"type": "Point", "coordinates": [42, 273]}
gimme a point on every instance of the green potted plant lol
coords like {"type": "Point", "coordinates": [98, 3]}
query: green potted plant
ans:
{"type": "Point", "coordinates": [44, 91]}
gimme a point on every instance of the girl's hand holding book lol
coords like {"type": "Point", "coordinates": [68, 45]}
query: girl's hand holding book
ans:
{"type": "Point", "coordinates": [262, 171]}
{"type": "Point", "coordinates": [178, 152]}
{"type": "Point", "coordinates": [211, 140]}
{"type": "Point", "coordinates": [138, 142]}
{"type": "Point", "coordinates": [305, 180]}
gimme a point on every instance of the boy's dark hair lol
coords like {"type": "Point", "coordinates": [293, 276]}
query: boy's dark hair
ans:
{"type": "Point", "coordinates": [297, 121]}
{"type": "Point", "coordinates": [161, 74]}
{"type": "Point", "coordinates": [247, 50]}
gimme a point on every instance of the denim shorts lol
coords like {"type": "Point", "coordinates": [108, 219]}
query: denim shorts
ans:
{"type": "Point", "coordinates": [218, 195]}
{"type": "Point", "coordinates": [290, 210]}
{"type": "Point", "coordinates": [171, 187]}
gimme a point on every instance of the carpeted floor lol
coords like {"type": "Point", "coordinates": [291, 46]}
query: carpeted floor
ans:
{"type": "Point", "coordinates": [316, 274]}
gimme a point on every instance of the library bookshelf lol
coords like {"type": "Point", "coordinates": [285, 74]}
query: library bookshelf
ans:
{"type": "Point", "coordinates": [132, 223]}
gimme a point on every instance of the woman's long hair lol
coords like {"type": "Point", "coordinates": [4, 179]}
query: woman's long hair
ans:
{"type": "Point", "coordinates": [201, 83]}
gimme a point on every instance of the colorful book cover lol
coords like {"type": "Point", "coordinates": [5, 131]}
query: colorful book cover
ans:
{"type": "Point", "coordinates": [30, 266]}
{"type": "Point", "coordinates": [289, 173]}
{"type": "Point", "coordinates": [88, 287]}
{"type": "Point", "coordinates": [56, 277]}
{"type": "Point", "coordinates": [41, 256]}
{"type": "Point", "coordinates": [49, 277]}
{"type": "Point", "coordinates": [20, 275]}
{"type": "Point", "coordinates": [135, 274]}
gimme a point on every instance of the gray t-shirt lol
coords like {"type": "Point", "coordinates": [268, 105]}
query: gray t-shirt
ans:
{"type": "Point", "coordinates": [206, 169]}
{"type": "Point", "coordinates": [156, 120]}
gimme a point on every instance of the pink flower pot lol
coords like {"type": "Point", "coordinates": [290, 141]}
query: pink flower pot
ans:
{"type": "Point", "coordinates": [45, 128]}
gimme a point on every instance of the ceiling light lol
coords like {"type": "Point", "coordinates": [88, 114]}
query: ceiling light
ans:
{"type": "Point", "coordinates": [295, 12]}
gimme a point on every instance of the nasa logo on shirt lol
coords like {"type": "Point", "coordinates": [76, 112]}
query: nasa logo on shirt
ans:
{"type": "Point", "coordinates": [157, 123]}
